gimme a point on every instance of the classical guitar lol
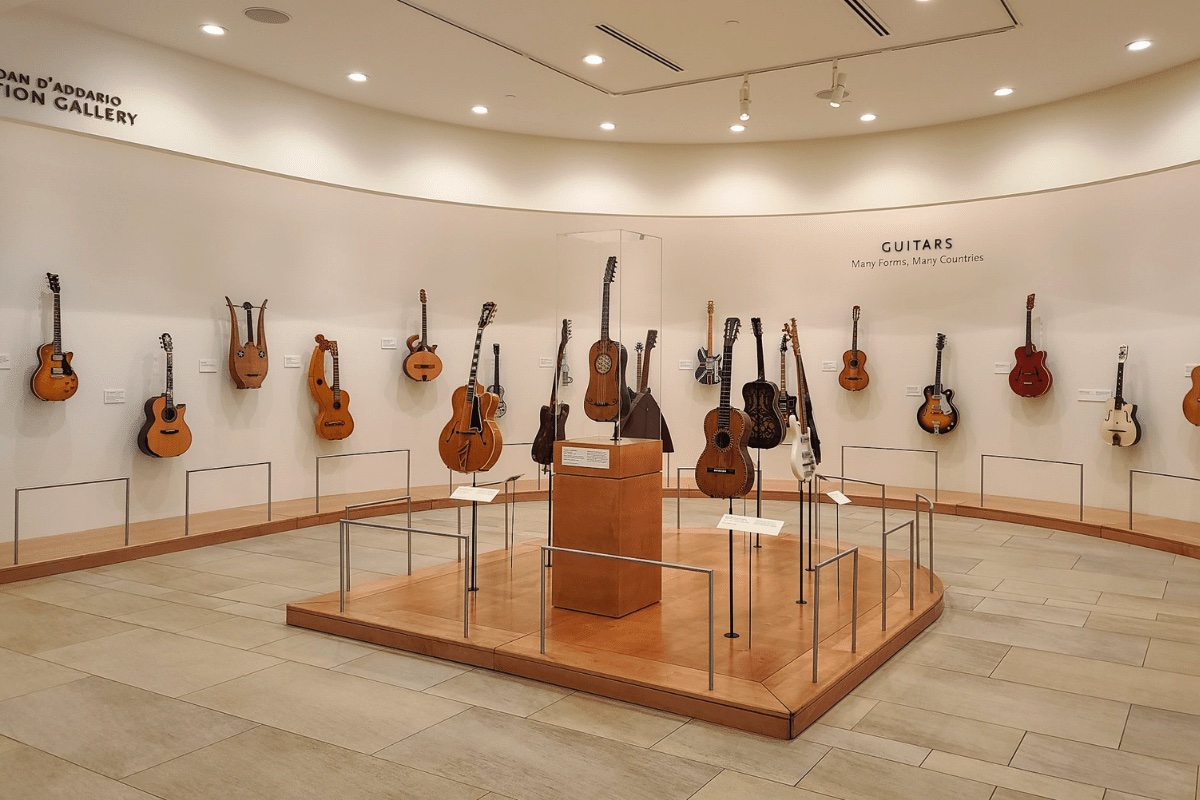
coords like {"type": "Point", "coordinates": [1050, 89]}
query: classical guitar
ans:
{"type": "Point", "coordinates": [248, 359]}
{"type": "Point", "coordinates": [607, 396]}
{"type": "Point", "coordinates": [333, 419]}
{"type": "Point", "coordinates": [1120, 427]}
{"type": "Point", "coordinates": [767, 425]}
{"type": "Point", "coordinates": [803, 460]}
{"type": "Point", "coordinates": [787, 402]}
{"type": "Point", "coordinates": [806, 403]}
{"type": "Point", "coordinates": [937, 413]}
{"type": "Point", "coordinates": [645, 419]}
{"type": "Point", "coordinates": [54, 378]}
{"type": "Point", "coordinates": [1191, 400]}
{"type": "Point", "coordinates": [724, 468]}
{"type": "Point", "coordinates": [552, 426]}
{"type": "Point", "coordinates": [708, 366]}
{"type": "Point", "coordinates": [422, 362]}
{"type": "Point", "coordinates": [1030, 377]}
{"type": "Point", "coordinates": [471, 441]}
{"type": "Point", "coordinates": [165, 434]}
{"type": "Point", "coordinates": [496, 388]}
{"type": "Point", "coordinates": [854, 377]}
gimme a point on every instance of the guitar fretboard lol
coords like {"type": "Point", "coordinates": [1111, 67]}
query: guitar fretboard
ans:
{"type": "Point", "coordinates": [1120, 400]}
{"type": "Point", "coordinates": [726, 382]}
{"type": "Point", "coordinates": [854, 340]}
{"type": "Point", "coordinates": [170, 379]}
{"type": "Point", "coordinates": [604, 313]}
{"type": "Point", "coordinates": [937, 379]}
{"type": "Point", "coordinates": [57, 327]}
{"type": "Point", "coordinates": [337, 383]}
{"type": "Point", "coordinates": [474, 366]}
{"type": "Point", "coordinates": [250, 324]}
{"type": "Point", "coordinates": [1029, 332]}
{"type": "Point", "coordinates": [424, 332]}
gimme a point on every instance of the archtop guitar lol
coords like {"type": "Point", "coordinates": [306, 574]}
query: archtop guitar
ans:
{"type": "Point", "coordinates": [1120, 427]}
{"type": "Point", "coordinates": [607, 396]}
{"type": "Point", "coordinates": [333, 420]}
{"type": "Point", "coordinates": [422, 362]}
{"type": "Point", "coordinates": [645, 419]}
{"type": "Point", "coordinates": [937, 414]}
{"type": "Point", "coordinates": [854, 377]}
{"type": "Point", "coordinates": [724, 468]}
{"type": "Point", "coordinates": [54, 378]}
{"type": "Point", "coordinates": [552, 425]}
{"type": "Point", "coordinates": [1030, 377]}
{"type": "Point", "coordinates": [761, 397]}
{"type": "Point", "coordinates": [471, 440]}
{"type": "Point", "coordinates": [165, 434]}
{"type": "Point", "coordinates": [247, 359]}
{"type": "Point", "coordinates": [708, 366]}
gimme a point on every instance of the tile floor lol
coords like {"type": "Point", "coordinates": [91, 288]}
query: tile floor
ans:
{"type": "Point", "coordinates": [1064, 667]}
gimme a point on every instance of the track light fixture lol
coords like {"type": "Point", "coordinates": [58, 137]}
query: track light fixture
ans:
{"type": "Point", "coordinates": [744, 99]}
{"type": "Point", "coordinates": [836, 94]}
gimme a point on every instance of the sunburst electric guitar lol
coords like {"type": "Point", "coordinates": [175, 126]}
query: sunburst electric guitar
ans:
{"type": "Point", "coordinates": [55, 378]}
{"type": "Point", "coordinates": [937, 413]}
{"type": "Point", "coordinates": [471, 441]}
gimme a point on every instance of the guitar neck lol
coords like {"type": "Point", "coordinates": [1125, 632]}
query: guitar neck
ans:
{"type": "Point", "coordinates": [726, 382]}
{"type": "Point", "coordinates": [557, 376]}
{"type": "Point", "coordinates": [854, 339]}
{"type": "Point", "coordinates": [708, 349]}
{"type": "Point", "coordinates": [1117, 395]}
{"type": "Point", "coordinates": [1028, 330]}
{"type": "Point", "coordinates": [762, 370]}
{"type": "Point", "coordinates": [170, 393]}
{"type": "Point", "coordinates": [782, 374]}
{"type": "Point", "coordinates": [57, 327]}
{"type": "Point", "coordinates": [249, 326]}
{"type": "Point", "coordinates": [474, 366]}
{"type": "Point", "coordinates": [801, 391]}
{"type": "Point", "coordinates": [337, 384]}
{"type": "Point", "coordinates": [424, 332]}
{"type": "Point", "coordinates": [496, 353]}
{"type": "Point", "coordinates": [604, 314]}
{"type": "Point", "coordinates": [937, 378]}
{"type": "Point", "coordinates": [644, 371]}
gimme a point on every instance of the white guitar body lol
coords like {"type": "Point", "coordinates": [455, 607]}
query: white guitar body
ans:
{"type": "Point", "coordinates": [804, 463]}
{"type": "Point", "coordinates": [1120, 427]}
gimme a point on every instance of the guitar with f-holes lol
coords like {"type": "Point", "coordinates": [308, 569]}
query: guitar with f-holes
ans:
{"type": "Point", "coordinates": [471, 440]}
{"type": "Point", "coordinates": [937, 413]}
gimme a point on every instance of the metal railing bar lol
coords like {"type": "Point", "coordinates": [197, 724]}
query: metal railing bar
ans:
{"type": "Point", "coordinates": [1132, 472]}
{"type": "Point", "coordinates": [17, 506]}
{"type": "Point", "coordinates": [187, 489]}
{"type": "Point", "coordinates": [407, 469]}
{"type": "Point", "coordinates": [817, 604]}
{"type": "Point", "coordinates": [936, 455]}
{"type": "Point", "coordinates": [984, 456]}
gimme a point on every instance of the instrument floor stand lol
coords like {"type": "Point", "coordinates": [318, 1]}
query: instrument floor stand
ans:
{"type": "Point", "coordinates": [758, 499]}
{"type": "Point", "coordinates": [811, 500]}
{"type": "Point", "coordinates": [732, 634]}
{"type": "Point", "coordinates": [800, 520]}
{"type": "Point", "coordinates": [549, 515]}
{"type": "Point", "coordinates": [475, 541]}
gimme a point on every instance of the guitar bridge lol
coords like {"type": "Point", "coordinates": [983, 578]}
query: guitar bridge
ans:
{"type": "Point", "coordinates": [336, 424]}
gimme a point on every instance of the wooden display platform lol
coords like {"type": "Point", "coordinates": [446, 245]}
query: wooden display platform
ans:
{"type": "Point", "coordinates": [658, 656]}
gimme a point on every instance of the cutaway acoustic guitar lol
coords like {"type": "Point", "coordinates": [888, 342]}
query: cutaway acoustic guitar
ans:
{"type": "Point", "coordinates": [165, 434]}
{"type": "Point", "coordinates": [1120, 427]}
{"type": "Point", "coordinates": [1030, 377]}
{"type": "Point", "coordinates": [471, 440]}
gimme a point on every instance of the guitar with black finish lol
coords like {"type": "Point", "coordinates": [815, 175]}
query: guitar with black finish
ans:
{"type": "Point", "coordinates": [471, 440]}
{"type": "Point", "coordinates": [247, 359]}
{"type": "Point", "coordinates": [1030, 377]}
{"type": "Point", "coordinates": [761, 397]}
{"type": "Point", "coordinates": [645, 419]}
{"type": "Point", "coordinates": [165, 434]}
{"type": "Point", "coordinates": [724, 468]}
{"type": "Point", "coordinates": [496, 388]}
{"type": "Point", "coordinates": [54, 378]}
{"type": "Point", "coordinates": [787, 402]}
{"type": "Point", "coordinates": [552, 426]}
{"type": "Point", "coordinates": [807, 405]}
{"type": "Point", "coordinates": [607, 396]}
{"type": "Point", "coordinates": [937, 414]}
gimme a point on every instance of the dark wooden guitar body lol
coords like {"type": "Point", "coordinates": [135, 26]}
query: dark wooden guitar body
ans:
{"type": "Point", "coordinates": [54, 379]}
{"type": "Point", "coordinates": [471, 440]}
{"type": "Point", "coordinates": [761, 398]}
{"type": "Point", "coordinates": [1030, 377]}
{"type": "Point", "coordinates": [724, 468]}
{"type": "Point", "coordinates": [247, 360]}
{"type": "Point", "coordinates": [607, 395]}
{"type": "Point", "coordinates": [552, 426]}
{"type": "Point", "coordinates": [934, 417]}
{"type": "Point", "coordinates": [1191, 400]}
{"type": "Point", "coordinates": [165, 434]}
{"type": "Point", "coordinates": [645, 420]}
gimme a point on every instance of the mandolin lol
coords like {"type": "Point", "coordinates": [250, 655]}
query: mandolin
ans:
{"type": "Point", "coordinates": [54, 378]}
{"type": "Point", "coordinates": [247, 360]}
{"type": "Point", "coordinates": [854, 377]}
{"type": "Point", "coordinates": [422, 362]}
{"type": "Point", "coordinates": [708, 366]}
{"type": "Point", "coordinates": [724, 468]}
{"type": "Point", "coordinates": [496, 388]}
{"type": "Point", "coordinates": [803, 460]}
{"type": "Point", "coordinates": [607, 397]}
{"type": "Point", "coordinates": [165, 434]}
{"type": "Point", "coordinates": [1191, 400]}
{"type": "Point", "coordinates": [333, 402]}
{"type": "Point", "coordinates": [787, 402]}
{"type": "Point", "coordinates": [471, 441]}
{"type": "Point", "coordinates": [1120, 427]}
{"type": "Point", "coordinates": [553, 423]}
{"type": "Point", "coordinates": [1030, 377]}
{"type": "Point", "coordinates": [645, 419]}
{"type": "Point", "coordinates": [767, 425]}
{"type": "Point", "coordinates": [937, 413]}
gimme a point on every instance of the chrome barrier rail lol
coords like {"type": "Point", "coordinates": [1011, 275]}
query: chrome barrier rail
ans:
{"type": "Point", "coordinates": [984, 456]}
{"type": "Point", "coordinates": [187, 489]}
{"type": "Point", "coordinates": [912, 570]}
{"type": "Point", "coordinates": [17, 506]}
{"type": "Point", "coordinates": [1133, 472]}
{"type": "Point", "coordinates": [407, 468]}
{"type": "Point", "coordinates": [936, 470]}
{"type": "Point", "coordinates": [679, 493]}
{"type": "Point", "coordinates": [816, 528]}
{"type": "Point", "coordinates": [917, 519]}
{"type": "Point", "coordinates": [685, 567]}
{"type": "Point", "coordinates": [817, 604]}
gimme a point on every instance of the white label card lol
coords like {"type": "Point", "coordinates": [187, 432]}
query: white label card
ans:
{"type": "Point", "coordinates": [588, 457]}
{"type": "Point", "coordinates": [476, 494]}
{"type": "Point", "coordinates": [838, 498]}
{"type": "Point", "coordinates": [734, 522]}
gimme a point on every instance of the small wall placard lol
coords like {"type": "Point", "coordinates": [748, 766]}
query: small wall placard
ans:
{"type": "Point", "coordinates": [476, 494]}
{"type": "Point", "coordinates": [589, 457]}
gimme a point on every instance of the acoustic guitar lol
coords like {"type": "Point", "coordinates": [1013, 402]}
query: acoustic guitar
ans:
{"type": "Point", "coordinates": [333, 419]}
{"type": "Point", "coordinates": [708, 366]}
{"type": "Point", "coordinates": [787, 402]}
{"type": "Point", "coordinates": [496, 388]}
{"type": "Point", "coordinates": [1030, 377]}
{"type": "Point", "coordinates": [767, 425]}
{"type": "Point", "coordinates": [248, 359]}
{"type": "Point", "coordinates": [422, 362]}
{"type": "Point", "coordinates": [1120, 427]}
{"type": "Point", "coordinates": [1191, 400]}
{"type": "Point", "coordinates": [937, 413]}
{"type": "Point", "coordinates": [645, 419]}
{"type": "Point", "coordinates": [54, 378]}
{"type": "Point", "coordinates": [607, 396]}
{"type": "Point", "coordinates": [552, 426]}
{"type": "Point", "coordinates": [803, 459]}
{"type": "Point", "coordinates": [724, 468]}
{"type": "Point", "coordinates": [165, 434]}
{"type": "Point", "coordinates": [471, 441]}
{"type": "Point", "coordinates": [854, 377]}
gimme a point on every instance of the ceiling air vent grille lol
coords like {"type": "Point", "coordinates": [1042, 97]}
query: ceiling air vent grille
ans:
{"type": "Point", "coordinates": [267, 15]}
{"type": "Point", "coordinates": [868, 16]}
{"type": "Point", "coordinates": [641, 48]}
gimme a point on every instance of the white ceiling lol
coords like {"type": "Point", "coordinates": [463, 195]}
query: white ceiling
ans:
{"type": "Point", "coordinates": [523, 58]}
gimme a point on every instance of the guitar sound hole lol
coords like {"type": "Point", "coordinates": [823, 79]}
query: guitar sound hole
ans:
{"type": "Point", "coordinates": [262, 353]}
{"type": "Point", "coordinates": [337, 406]}
{"type": "Point", "coordinates": [320, 382]}
{"type": "Point", "coordinates": [168, 415]}
{"type": "Point", "coordinates": [722, 440]}
{"type": "Point", "coordinates": [241, 353]}
{"type": "Point", "coordinates": [603, 363]}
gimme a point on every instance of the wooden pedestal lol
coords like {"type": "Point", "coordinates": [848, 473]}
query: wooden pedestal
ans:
{"type": "Point", "coordinates": [611, 505]}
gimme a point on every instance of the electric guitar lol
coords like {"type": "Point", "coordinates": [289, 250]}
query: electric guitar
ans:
{"type": "Point", "coordinates": [247, 360]}
{"type": "Point", "coordinates": [607, 396]}
{"type": "Point", "coordinates": [724, 468]}
{"type": "Point", "coordinates": [165, 434]}
{"type": "Point", "coordinates": [1120, 427]}
{"type": "Point", "coordinates": [787, 402]}
{"type": "Point", "coordinates": [767, 425]}
{"type": "Point", "coordinates": [803, 460]}
{"type": "Point", "coordinates": [471, 441]}
{"type": "Point", "coordinates": [854, 377]}
{"type": "Point", "coordinates": [937, 413]}
{"type": "Point", "coordinates": [422, 362]}
{"type": "Point", "coordinates": [645, 419]}
{"type": "Point", "coordinates": [1191, 400]}
{"type": "Point", "coordinates": [333, 419]}
{"type": "Point", "coordinates": [496, 388]}
{"type": "Point", "coordinates": [553, 424]}
{"type": "Point", "coordinates": [54, 378]}
{"type": "Point", "coordinates": [1030, 377]}
{"type": "Point", "coordinates": [708, 366]}
{"type": "Point", "coordinates": [806, 405]}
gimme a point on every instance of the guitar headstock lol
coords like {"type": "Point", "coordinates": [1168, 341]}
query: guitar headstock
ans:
{"type": "Point", "coordinates": [1124, 354]}
{"type": "Point", "coordinates": [248, 305]}
{"type": "Point", "coordinates": [423, 300]}
{"type": "Point", "coordinates": [783, 341]}
{"type": "Point", "coordinates": [610, 271]}
{"type": "Point", "coordinates": [639, 348]}
{"type": "Point", "coordinates": [941, 341]}
{"type": "Point", "coordinates": [322, 342]}
{"type": "Point", "coordinates": [855, 313]}
{"type": "Point", "coordinates": [732, 326]}
{"type": "Point", "coordinates": [710, 308]}
{"type": "Point", "coordinates": [165, 341]}
{"type": "Point", "coordinates": [651, 340]}
{"type": "Point", "coordinates": [756, 326]}
{"type": "Point", "coordinates": [496, 349]}
{"type": "Point", "coordinates": [52, 279]}
{"type": "Point", "coordinates": [1029, 302]}
{"type": "Point", "coordinates": [566, 331]}
{"type": "Point", "coordinates": [795, 337]}
{"type": "Point", "coordinates": [487, 314]}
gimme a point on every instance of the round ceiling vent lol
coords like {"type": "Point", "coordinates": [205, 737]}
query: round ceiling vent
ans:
{"type": "Point", "coordinates": [268, 15]}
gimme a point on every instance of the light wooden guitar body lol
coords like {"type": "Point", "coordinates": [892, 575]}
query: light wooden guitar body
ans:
{"type": "Point", "coordinates": [1030, 377]}
{"type": "Point", "coordinates": [854, 377]}
{"type": "Point", "coordinates": [1191, 400]}
{"type": "Point", "coordinates": [54, 379]}
{"type": "Point", "coordinates": [936, 416]}
{"type": "Point", "coordinates": [422, 362]}
{"type": "Point", "coordinates": [724, 468]}
{"type": "Point", "coordinates": [333, 420]}
{"type": "Point", "coordinates": [1120, 427]}
{"type": "Point", "coordinates": [165, 434]}
{"type": "Point", "coordinates": [471, 440]}
{"type": "Point", "coordinates": [607, 396]}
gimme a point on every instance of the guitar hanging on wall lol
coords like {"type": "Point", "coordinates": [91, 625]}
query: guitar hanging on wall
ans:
{"type": "Point", "coordinates": [496, 388]}
{"type": "Point", "coordinates": [937, 413]}
{"type": "Point", "coordinates": [607, 396]}
{"type": "Point", "coordinates": [1191, 400]}
{"type": "Point", "coordinates": [787, 402]}
{"type": "Point", "coordinates": [1030, 377]}
{"type": "Point", "coordinates": [724, 468]}
{"type": "Point", "coordinates": [1120, 427]}
{"type": "Point", "coordinates": [708, 366]}
{"type": "Point", "coordinates": [803, 460]}
{"type": "Point", "coordinates": [767, 425]}
{"type": "Point", "coordinates": [165, 434]}
{"type": "Point", "coordinates": [422, 362]}
{"type": "Point", "coordinates": [645, 419]}
{"type": "Point", "coordinates": [54, 378]}
{"type": "Point", "coordinates": [552, 425]}
{"type": "Point", "coordinates": [247, 360]}
{"type": "Point", "coordinates": [471, 441]}
{"type": "Point", "coordinates": [854, 377]}
{"type": "Point", "coordinates": [333, 419]}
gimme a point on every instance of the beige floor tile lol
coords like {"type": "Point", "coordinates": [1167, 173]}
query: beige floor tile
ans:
{"type": "Point", "coordinates": [867, 744]}
{"type": "Point", "coordinates": [265, 594]}
{"type": "Point", "coordinates": [1151, 606]}
{"type": "Point", "coordinates": [110, 728]}
{"type": "Point", "coordinates": [52, 590]}
{"type": "Point", "coordinates": [936, 731]}
{"type": "Point", "coordinates": [88, 577]}
{"type": "Point", "coordinates": [260, 568]}
{"type": "Point", "coordinates": [610, 719]}
{"type": "Point", "coordinates": [160, 662]}
{"type": "Point", "coordinates": [173, 617]}
{"type": "Point", "coordinates": [1138, 563]}
{"type": "Point", "coordinates": [962, 602]}
{"type": "Point", "coordinates": [499, 692]}
{"type": "Point", "coordinates": [21, 674]}
{"type": "Point", "coordinates": [262, 613]}
{"type": "Point", "coordinates": [138, 588]}
{"type": "Point", "coordinates": [205, 582]}
{"type": "Point", "coordinates": [317, 649]}
{"type": "Point", "coordinates": [848, 712]}
{"type": "Point", "coordinates": [195, 600]}
{"type": "Point", "coordinates": [26, 772]}
{"type": "Point", "coordinates": [853, 776]}
{"type": "Point", "coordinates": [1113, 769]}
{"type": "Point", "coordinates": [730, 785]}
{"type": "Point", "coordinates": [31, 627]}
{"type": "Point", "coordinates": [1002, 793]}
{"type": "Point", "coordinates": [114, 604]}
{"type": "Point", "coordinates": [1011, 555]}
{"type": "Point", "coordinates": [1038, 612]}
{"type": "Point", "coordinates": [403, 669]}
{"type": "Point", "coordinates": [1030, 782]}
{"type": "Point", "coordinates": [241, 632]}
{"type": "Point", "coordinates": [1163, 734]}
{"type": "Point", "coordinates": [1173, 657]}
{"type": "Point", "coordinates": [1049, 591]}
{"type": "Point", "coordinates": [331, 707]}
{"type": "Point", "coordinates": [1135, 613]}
{"type": "Point", "coordinates": [972, 656]}
{"type": "Point", "coordinates": [1110, 794]}
{"type": "Point", "coordinates": [192, 558]}
{"type": "Point", "coordinates": [968, 581]}
{"type": "Point", "coordinates": [267, 763]}
{"type": "Point", "coordinates": [773, 759]}
{"type": "Point", "coordinates": [1140, 587]}
{"type": "Point", "coordinates": [1176, 631]}
{"type": "Point", "coordinates": [535, 761]}
{"type": "Point", "coordinates": [1117, 646]}
{"type": "Point", "coordinates": [144, 572]}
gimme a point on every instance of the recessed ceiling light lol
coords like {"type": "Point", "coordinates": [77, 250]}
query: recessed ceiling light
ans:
{"type": "Point", "coordinates": [479, 109]}
{"type": "Point", "coordinates": [1140, 44]}
{"type": "Point", "coordinates": [593, 59]}
{"type": "Point", "coordinates": [737, 128]}
{"type": "Point", "coordinates": [867, 118]}
{"type": "Point", "coordinates": [213, 30]}
{"type": "Point", "coordinates": [608, 126]}
{"type": "Point", "coordinates": [1003, 91]}
{"type": "Point", "coordinates": [358, 77]}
